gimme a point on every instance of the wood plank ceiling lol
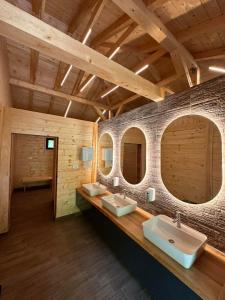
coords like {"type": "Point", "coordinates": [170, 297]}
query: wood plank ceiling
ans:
{"type": "Point", "coordinates": [186, 36]}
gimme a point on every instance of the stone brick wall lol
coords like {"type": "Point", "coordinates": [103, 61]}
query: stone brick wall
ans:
{"type": "Point", "coordinates": [207, 99]}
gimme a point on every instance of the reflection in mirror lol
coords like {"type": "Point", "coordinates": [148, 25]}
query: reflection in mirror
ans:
{"type": "Point", "coordinates": [133, 155]}
{"type": "Point", "coordinates": [191, 159]}
{"type": "Point", "coordinates": [105, 154]}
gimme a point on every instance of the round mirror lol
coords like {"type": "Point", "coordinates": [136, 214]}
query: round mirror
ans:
{"type": "Point", "coordinates": [133, 155]}
{"type": "Point", "coordinates": [191, 159]}
{"type": "Point", "coordinates": [105, 154]}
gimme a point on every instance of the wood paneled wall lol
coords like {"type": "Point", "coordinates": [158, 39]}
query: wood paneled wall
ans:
{"type": "Point", "coordinates": [72, 135]}
{"type": "Point", "coordinates": [30, 158]}
{"type": "Point", "coordinates": [207, 99]}
{"type": "Point", "coordinates": [5, 96]}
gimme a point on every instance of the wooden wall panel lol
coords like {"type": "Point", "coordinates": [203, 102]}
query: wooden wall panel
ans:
{"type": "Point", "coordinates": [72, 135]}
{"type": "Point", "coordinates": [31, 158]}
{"type": "Point", "coordinates": [5, 97]}
{"type": "Point", "coordinates": [206, 100]}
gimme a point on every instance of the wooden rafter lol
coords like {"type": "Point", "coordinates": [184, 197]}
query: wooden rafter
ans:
{"type": "Point", "coordinates": [31, 32]}
{"type": "Point", "coordinates": [38, 7]}
{"type": "Point", "coordinates": [150, 59]}
{"type": "Point", "coordinates": [41, 89]}
{"type": "Point", "coordinates": [217, 53]}
{"type": "Point", "coordinates": [97, 6]}
{"type": "Point", "coordinates": [99, 113]}
{"type": "Point", "coordinates": [84, 9]}
{"type": "Point", "coordinates": [152, 25]}
{"type": "Point", "coordinates": [121, 23]}
{"type": "Point", "coordinates": [163, 83]}
{"type": "Point", "coordinates": [118, 43]}
{"type": "Point", "coordinates": [182, 36]}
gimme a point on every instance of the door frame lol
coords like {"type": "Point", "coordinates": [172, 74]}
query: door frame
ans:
{"type": "Point", "coordinates": [54, 175]}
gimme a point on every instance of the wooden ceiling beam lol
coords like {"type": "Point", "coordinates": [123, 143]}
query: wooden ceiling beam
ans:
{"type": "Point", "coordinates": [217, 53]}
{"type": "Point", "coordinates": [34, 33]}
{"type": "Point", "coordinates": [93, 19]}
{"type": "Point", "coordinates": [125, 101]}
{"type": "Point", "coordinates": [118, 43]}
{"type": "Point", "coordinates": [148, 60]}
{"type": "Point", "coordinates": [99, 113]}
{"type": "Point", "coordinates": [152, 25]}
{"type": "Point", "coordinates": [41, 89]}
{"type": "Point", "coordinates": [121, 23]}
{"type": "Point", "coordinates": [119, 110]}
{"type": "Point", "coordinates": [161, 83]}
{"type": "Point", "coordinates": [84, 9]}
{"type": "Point", "coordinates": [38, 8]}
{"type": "Point", "coordinates": [182, 36]}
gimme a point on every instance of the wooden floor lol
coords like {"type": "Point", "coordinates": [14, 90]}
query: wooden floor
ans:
{"type": "Point", "coordinates": [41, 259]}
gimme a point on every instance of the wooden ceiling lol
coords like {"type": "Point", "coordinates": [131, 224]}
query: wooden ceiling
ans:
{"type": "Point", "coordinates": [176, 38]}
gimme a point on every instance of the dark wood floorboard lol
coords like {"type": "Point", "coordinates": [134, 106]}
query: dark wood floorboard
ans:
{"type": "Point", "coordinates": [42, 259]}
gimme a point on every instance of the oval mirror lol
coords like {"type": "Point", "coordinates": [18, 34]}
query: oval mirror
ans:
{"type": "Point", "coordinates": [105, 154]}
{"type": "Point", "coordinates": [133, 155]}
{"type": "Point", "coordinates": [191, 159]}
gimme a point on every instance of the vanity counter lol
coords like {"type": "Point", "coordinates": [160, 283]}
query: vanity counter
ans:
{"type": "Point", "coordinates": [206, 277]}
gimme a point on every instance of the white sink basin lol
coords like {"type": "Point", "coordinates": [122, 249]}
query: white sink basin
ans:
{"type": "Point", "coordinates": [118, 205]}
{"type": "Point", "coordinates": [182, 244]}
{"type": "Point", "coordinates": [94, 189]}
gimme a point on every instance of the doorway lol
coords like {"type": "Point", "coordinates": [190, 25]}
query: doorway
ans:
{"type": "Point", "coordinates": [33, 175]}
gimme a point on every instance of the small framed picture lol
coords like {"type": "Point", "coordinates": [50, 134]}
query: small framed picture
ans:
{"type": "Point", "coordinates": [50, 143]}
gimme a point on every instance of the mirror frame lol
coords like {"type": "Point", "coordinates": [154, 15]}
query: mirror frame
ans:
{"type": "Point", "coordinates": [146, 155]}
{"type": "Point", "coordinates": [222, 160]}
{"type": "Point", "coordinates": [113, 162]}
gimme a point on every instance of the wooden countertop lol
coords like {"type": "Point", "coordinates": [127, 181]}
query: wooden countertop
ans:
{"type": "Point", "coordinates": [206, 277]}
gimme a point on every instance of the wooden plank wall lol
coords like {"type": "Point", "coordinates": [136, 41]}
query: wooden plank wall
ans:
{"type": "Point", "coordinates": [72, 135]}
{"type": "Point", "coordinates": [5, 96]}
{"type": "Point", "coordinates": [31, 158]}
{"type": "Point", "coordinates": [206, 100]}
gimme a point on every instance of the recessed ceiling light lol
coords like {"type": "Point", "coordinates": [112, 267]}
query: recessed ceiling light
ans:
{"type": "Point", "coordinates": [217, 69]}
{"type": "Point", "coordinates": [110, 91]}
{"type": "Point", "coordinates": [87, 83]}
{"type": "Point", "coordinates": [66, 75]}
{"type": "Point", "coordinates": [114, 52]}
{"type": "Point", "coordinates": [141, 69]}
{"type": "Point", "coordinates": [86, 36]}
{"type": "Point", "coordinates": [68, 108]}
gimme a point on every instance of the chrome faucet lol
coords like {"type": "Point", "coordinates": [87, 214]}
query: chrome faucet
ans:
{"type": "Point", "coordinates": [177, 219]}
{"type": "Point", "coordinates": [124, 194]}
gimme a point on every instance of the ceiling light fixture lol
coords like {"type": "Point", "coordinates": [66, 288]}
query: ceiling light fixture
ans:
{"type": "Point", "coordinates": [68, 108]}
{"type": "Point", "coordinates": [66, 75]}
{"type": "Point", "coordinates": [114, 52]}
{"type": "Point", "coordinates": [110, 91]}
{"type": "Point", "coordinates": [99, 118]}
{"type": "Point", "coordinates": [87, 36]}
{"type": "Point", "coordinates": [87, 83]}
{"type": "Point", "coordinates": [141, 69]}
{"type": "Point", "coordinates": [217, 69]}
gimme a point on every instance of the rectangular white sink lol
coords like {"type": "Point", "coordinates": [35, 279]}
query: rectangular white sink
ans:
{"type": "Point", "coordinates": [182, 244]}
{"type": "Point", "coordinates": [118, 205]}
{"type": "Point", "coordinates": [94, 189]}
